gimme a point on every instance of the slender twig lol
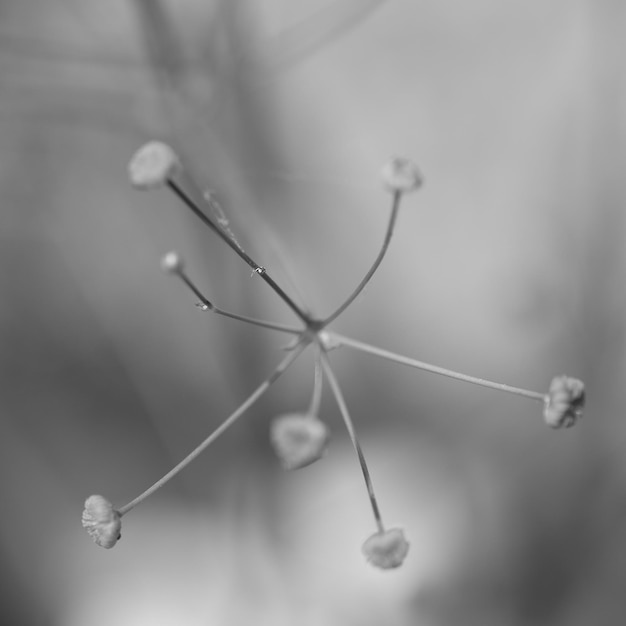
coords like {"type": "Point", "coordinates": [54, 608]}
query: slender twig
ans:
{"type": "Point", "coordinates": [334, 385]}
{"type": "Point", "coordinates": [316, 398]}
{"type": "Point", "coordinates": [390, 226]}
{"type": "Point", "coordinates": [230, 420]}
{"type": "Point", "coordinates": [192, 204]}
{"type": "Point", "coordinates": [435, 369]}
{"type": "Point", "coordinates": [208, 305]}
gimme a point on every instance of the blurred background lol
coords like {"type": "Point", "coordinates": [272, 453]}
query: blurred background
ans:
{"type": "Point", "coordinates": [509, 264]}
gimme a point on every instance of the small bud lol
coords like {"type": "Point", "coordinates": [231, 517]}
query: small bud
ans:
{"type": "Point", "coordinates": [387, 549]}
{"type": "Point", "coordinates": [152, 165]}
{"type": "Point", "coordinates": [401, 175]}
{"type": "Point", "coordinates": [102, 521]}
{"type": "Point", "coordinates": [298, 439]}
{"type": "Point", "coordinates": [564, 402]}
{"type": "Point", "coordinates": [328, 340]}
{"type": "Point", "coordinates": [172, 263]}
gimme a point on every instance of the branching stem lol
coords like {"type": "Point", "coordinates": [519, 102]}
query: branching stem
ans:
{"type": "Point", "coordinates": [316, 398]}
{"type": "Point", "coordinates": [243, 318]}
{"type": "Point", "coordinates": [435, 369]}
{"type": "Point", "coordinates": [227, 423]}
{"type": "Point", "coordinates": [343, 408]}
{"type": "Point", "coordinates": [189, 201]}
{"type": "Point", "coordinates": [390, 226]}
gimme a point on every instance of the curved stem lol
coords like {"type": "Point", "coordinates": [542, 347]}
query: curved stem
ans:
{"type": "Point", "coordinates": [256, 322]}
{"type": "Point", "coordinates": [229, 421]}
{"type": "Point", "coordinates": [191, 203]}
{"type": "Point", "coordinates": [343, 408]}
{"type": "Point", "coordinates": [316, 398]}
{"type": "Point", "coordinates": [435, 369]}
{"type": "Point", "coordinates": [208, 305]}
{"type": "Point", "coordinates": [390, 226]}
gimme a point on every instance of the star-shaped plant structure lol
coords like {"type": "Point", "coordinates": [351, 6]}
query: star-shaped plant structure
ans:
{"type": "Point", "coordinates": [300, 439]}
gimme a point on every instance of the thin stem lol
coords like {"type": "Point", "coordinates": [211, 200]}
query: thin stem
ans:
{"type": "Point", "coordinates": [334, 385]}
{"type": "Point", "coordinates": [188, 200]}
{"type": "Point", "coordinates": [243, 318]}
{"type": "Point", "coordinates": [390, 226]}
{"type": "Point", "coordinates": [229, 421]}
{"type": "Point", "coordinates": [392, 356]}
{"type": "Point", "coordinates": [316, 398]}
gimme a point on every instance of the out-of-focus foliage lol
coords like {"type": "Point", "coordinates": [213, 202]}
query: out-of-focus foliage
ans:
{"type": "Point", "coordinates": [509, 264]}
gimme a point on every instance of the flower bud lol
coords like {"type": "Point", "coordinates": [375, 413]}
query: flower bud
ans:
{"type": "Point", "coordinates": [564, 402]}
{"type": "Point", "coordinates": [298, 439]}
{"type": "Point", "coordinates": [102, 521]}
{"type": "Point", "coordinates": [401, 175]}
{"type": "Point", "coordinates": [152, 165]}
{"type": "Point", "coordinates": [172, 263]}
{"type": "Point", "coordinates": [386, 549]}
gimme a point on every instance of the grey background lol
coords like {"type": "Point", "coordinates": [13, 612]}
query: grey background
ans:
{"type": "Point", "coordinates": [509, 264]}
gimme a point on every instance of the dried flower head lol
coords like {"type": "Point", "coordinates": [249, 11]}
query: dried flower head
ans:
{"type": "Point", "coordinates": [102, 521]}
{"type": "Point", "coordinates": [564, 402]}
{"type": "Point", "coordinates": [401, 175]}
{"type": "Point", "coordinates": [298, 439]}
{"type": "Point", "coordinates": [152, 165]}
{"type": "Point", "coordinates": [172, 263]}
{"type": "Point", "coordinates": [386, 549]}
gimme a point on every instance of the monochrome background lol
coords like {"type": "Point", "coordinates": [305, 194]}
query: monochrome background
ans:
{"type": "Point", "coordinates": [508, 264]}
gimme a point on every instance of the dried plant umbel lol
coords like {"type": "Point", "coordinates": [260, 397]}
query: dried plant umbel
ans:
{"type": "Point", "coordinates": [301, 438]}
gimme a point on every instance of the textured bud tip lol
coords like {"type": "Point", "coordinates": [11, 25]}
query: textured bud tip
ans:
{"type": "Point", "coordinates": [298, 439]}
{"type": "Point", "coordinates": [386, 550]}
{"type": "Point", "coordinates": [102, 521]}
{"type": "Point", "coordinates": [172, 263]}
{"type": "Point", "coordinates": [152, 165]}
{"type": "Point", "coordinates": [401, 175]}
{"type": "Point", "coordinates": [564, 402]}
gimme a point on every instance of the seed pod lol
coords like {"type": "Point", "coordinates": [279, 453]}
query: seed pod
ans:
{"type": "Point", "coordinates": [298, 439]}
{"type": "Point", "coordinates": [102, 521]}
{"type": "Point", "coordinates": [152, 166]}
{"type": "Point", "coordinates": [401, 175]}
{"type": "Point", "coordinates": [387, 549]}
{"type": "Point", "coordinates": [564, 402]}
